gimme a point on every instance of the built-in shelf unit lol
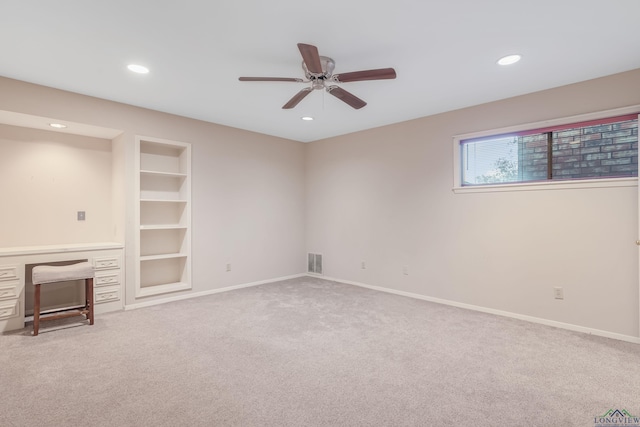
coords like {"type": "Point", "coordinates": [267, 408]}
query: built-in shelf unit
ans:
{"type": "Point", "coordinates": [164, 216]}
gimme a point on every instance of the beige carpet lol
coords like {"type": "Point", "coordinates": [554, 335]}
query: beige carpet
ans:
{"type": "Point", "coordinates": [309, 352]}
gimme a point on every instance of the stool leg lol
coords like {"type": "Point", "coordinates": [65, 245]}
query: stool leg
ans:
{"type": "Point", "coordinates": [89, 298]}
{"type": "Point", "coordinates": [36, 310]}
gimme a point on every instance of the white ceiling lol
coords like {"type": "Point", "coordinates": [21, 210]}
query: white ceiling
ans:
{"type": "Point", "coordinates": [444, 53]}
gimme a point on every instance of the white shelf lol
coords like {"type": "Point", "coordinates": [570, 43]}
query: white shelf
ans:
{"type": "Point", "coordinates": [163, 289]}
{"type": "Point", "coordinates": [163, 227]}
{"type": "Point", "coordinates": [161, 256]}
{"type": "Point", "coordinates": [163, 200]}
{"type": "Point", "coordinates": [162, 173]}
{"type": "Point", "coordinates": [163, 246]}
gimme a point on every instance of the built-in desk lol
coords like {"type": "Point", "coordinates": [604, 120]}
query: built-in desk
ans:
{"type": "Point", "coordinates": [106, 257]}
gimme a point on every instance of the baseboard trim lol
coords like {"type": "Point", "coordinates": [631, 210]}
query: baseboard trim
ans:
{"type": "Point", "coordinates": [209, 292]}
{"type": "Point", "coordinates": [547, 322]}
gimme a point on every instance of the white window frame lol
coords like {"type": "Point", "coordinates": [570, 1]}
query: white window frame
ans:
{"type": "Point", "coordinates": [539, 185]}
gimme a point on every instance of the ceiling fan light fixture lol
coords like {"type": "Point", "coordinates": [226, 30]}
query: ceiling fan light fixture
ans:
{"type": "Point", "coordinates": [140, 69]}
{"type": "Point", "coordinates": [509, 59]}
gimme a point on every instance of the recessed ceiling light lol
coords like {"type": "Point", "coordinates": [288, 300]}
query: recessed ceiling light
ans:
{"type": "Point", "coordinates": [307, 118]}
{"type": "Point", "coordinates": [509, 59]}
{"type": "Point", "coordinates": [57, 125]}
{"type": "Point", "coordinates": [138, 69]}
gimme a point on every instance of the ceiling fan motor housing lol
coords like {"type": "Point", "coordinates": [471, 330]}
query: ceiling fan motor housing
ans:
{"type": "Point", "coordinates": [317, 79]}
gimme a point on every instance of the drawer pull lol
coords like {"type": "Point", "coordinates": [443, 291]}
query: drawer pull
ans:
{"type": "Point", "coordinates": [8, 272]}
{"type": "Point", "coordinates": [106, 263]}
{"type": "Point", "coordinates": [5, 312]}
{"type": "Point", "coordinates": [109, 296]}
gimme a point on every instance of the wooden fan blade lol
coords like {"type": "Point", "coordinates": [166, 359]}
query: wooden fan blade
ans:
{"type": "Point", "coordinates": [356, 76]}
{"type": "Point", "coordinates": [346, 97]}
{"type": "Point", "coordinates": [268, 79]}
{"type": "Point", "coordinates": [297, 98]}
{"type": "Point", "coordinates": [311, 57]}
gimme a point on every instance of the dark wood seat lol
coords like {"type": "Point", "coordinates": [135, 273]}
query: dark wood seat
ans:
{"type": "Point", "coordinates": [45, 274]}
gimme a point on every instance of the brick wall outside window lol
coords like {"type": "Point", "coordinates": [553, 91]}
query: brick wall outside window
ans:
{"type": "Point", "coordinates": [607, 150]}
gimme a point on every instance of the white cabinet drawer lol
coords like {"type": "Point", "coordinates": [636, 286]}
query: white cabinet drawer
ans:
{"type": "Point", "coordinates": [106, 263]}
{"type": "Point", "coordinates": [107, 295]}
{"type": "Point", "coordinates": [8, 272]}
{"type": "Point", "coordinates": [107, 279]}
{"type": "Point", "coordinates": [9, 309]}
{"type": "Point", "coordinates": [8, 290]}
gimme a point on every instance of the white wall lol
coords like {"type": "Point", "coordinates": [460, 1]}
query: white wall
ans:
{"type": "Point", "coordinates": [383, 196]}
{"type": "Point", "coordinates": [251, 197]}
{"type": "Point", "coordinates": [247, 188]}
{"type": "Point", "coordinates": [45, 178]}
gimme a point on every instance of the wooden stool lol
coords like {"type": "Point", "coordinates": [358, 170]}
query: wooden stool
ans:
{"type": "Point", "coordinates": [44, 274]}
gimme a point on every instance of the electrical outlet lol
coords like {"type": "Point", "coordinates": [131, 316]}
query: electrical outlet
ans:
{"type": "Point", "coordinates": [363, 265]}
{"type": "Point", "coordinates": [405, 270]}
{"type": "Point", "coordinates": [558, 293]}
{"type": "Point", "coordinates": [81, 215]}
{"type": "Point", "coordinates": [229, 267]}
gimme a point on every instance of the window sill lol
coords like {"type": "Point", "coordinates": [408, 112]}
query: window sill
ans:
{"type": "Point", "coordinates": [549, 185]}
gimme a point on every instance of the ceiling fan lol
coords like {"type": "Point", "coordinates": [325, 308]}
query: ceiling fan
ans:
{"type": "Point", "coordinates": [318, 71]}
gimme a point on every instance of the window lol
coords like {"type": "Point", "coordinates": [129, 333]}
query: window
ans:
{"type": "Point", "coordinates": [590, 149]}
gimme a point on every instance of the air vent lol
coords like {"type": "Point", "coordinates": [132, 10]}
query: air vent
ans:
{"type": "Point", "coordinates": [315, 263]}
